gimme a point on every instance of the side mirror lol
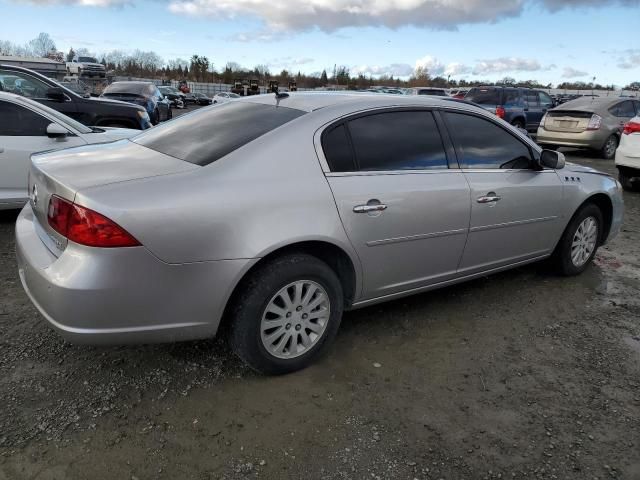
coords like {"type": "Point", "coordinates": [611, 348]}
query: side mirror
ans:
{"type": "Point", "coordinates": [55, 130]}
{"type": "Point", "coordinates": [552, 159]}
{"type": "Point", "coordinates": [56, 94]}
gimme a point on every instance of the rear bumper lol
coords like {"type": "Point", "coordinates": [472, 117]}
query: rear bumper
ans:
{"type": "Point", "coordinates": [122, 295]}
{"type": "Point", "coordinates": [589, 139]}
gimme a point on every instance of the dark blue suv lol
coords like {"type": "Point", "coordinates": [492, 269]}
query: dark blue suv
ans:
{"type": "Point", "coordinates": [521, 107]}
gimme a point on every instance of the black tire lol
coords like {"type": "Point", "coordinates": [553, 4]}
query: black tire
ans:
{"type": "Point", "coordinates": [257, 291]}
{"type": "Point", "coordinates": [561, 258]}
{"type": "Point", "coordinates": [169, 114]}
{"type": "Point", "coordinates": [608, 150]}
{"type": "Point", "coordinates": [155, 120]}
{"type": "Point", "coordinates": [518, 123]}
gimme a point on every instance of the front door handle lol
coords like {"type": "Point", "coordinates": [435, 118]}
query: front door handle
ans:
{"type": "Point", "coordinates": [490, 197]}
{"type": "Point", "coordinates": [369, 208]}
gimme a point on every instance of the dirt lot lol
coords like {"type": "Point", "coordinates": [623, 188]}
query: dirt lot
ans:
{"type": "Point", "coordinates": [517, 375]}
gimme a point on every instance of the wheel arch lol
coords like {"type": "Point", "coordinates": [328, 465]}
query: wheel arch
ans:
{"type": "Point", "coordinates": [604, 203]}
{"type": "Point", "coordinates": [341, 262]}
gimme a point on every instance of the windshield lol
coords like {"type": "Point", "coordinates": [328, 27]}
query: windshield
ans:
{"type": "Point", "coordinates": [87, 60]}
{"type": "Point", "coordinates": [207, 135]}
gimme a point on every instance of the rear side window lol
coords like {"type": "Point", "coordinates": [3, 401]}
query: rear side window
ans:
{"type": "Point", "coordinates": [484, 96]}
{"type": "Point", "coordinates": [406, 140]}
{"type": "Point", "coordinates": [337, 149]}
{"type": "Point", "coordinates": [206, 135]}
{"type": "Point", "coordinates": [512, 98]}
{"type": "Point", "coordinates": [17, 121]}
{"type": "Point", "coordinates": [532, 99]}
{"type": "Point", "coordinates": [482, 144]}
{"type": "Point", "coordinates": [623, 109]}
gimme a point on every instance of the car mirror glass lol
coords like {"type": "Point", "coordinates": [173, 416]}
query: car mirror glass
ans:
{"type": "Point", "coordinates": [552, 159]}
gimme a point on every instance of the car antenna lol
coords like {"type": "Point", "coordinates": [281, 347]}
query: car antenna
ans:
{"type": "Point", "coordinates": [279, 96]}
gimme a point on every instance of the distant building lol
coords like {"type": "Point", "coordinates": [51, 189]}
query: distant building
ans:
{"type": "Point", "coordinates": [45, 66]}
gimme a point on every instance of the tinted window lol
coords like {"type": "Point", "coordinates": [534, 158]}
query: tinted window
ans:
{"type": "Point", "coordinates": [512, 97]}
{"type": "Point", "coordinates": [531, 99]}
{"type": "Point", "coordinates": [208, 134]}
{"type": "Point", "coordinates": [127, 87]}
{"type": "Point", "coordinates": [397, 141]}
{"type": "Point", "coordinates": [337, 149]}
{"type": "Point", "coordinates": [545, 100]}
{"type": "Point", "coordinates": [623, 109]}
{"type": "Point", "coordinates": [21, 84]}
{"type": "Point", "coordinates": [484, 96]}
{"type": "Point", "coordinates": [432, 91]}
{"type": "Point", "coordinates": [16, 121]}
{"type": "Point", "coordinates": [482, 144]}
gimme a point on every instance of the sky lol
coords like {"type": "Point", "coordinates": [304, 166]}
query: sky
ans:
{"type": "Point", "coordinates": [547, 40]}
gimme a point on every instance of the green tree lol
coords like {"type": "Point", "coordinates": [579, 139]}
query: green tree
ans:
{"type": "Point", "coordinates": [71, 55]}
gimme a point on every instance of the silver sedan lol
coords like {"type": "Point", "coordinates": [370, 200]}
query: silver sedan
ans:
{"type": "Point", "coordinates": [271, 215]}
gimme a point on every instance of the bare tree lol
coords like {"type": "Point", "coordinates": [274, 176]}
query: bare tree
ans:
{"type": "Point", "coordinates": [42, 45]}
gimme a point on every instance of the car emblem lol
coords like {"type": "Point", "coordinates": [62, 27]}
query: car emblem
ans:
{"type": "Point", "coordinates": [34, 195]}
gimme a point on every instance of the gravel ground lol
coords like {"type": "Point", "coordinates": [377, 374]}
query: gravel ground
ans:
{"type": "Point", "coordinates": [519, 375]}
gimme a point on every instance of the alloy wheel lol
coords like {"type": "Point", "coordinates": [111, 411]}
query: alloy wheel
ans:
{"type": "Point", "coordinates": [584, 241]}
{"type": "Point", "coordinates": [295, 319]}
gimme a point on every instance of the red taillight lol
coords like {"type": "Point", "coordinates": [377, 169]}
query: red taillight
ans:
{"type": "Point", "coordinates": [86, 227]}
{"type": "Point", "coordinates": [500, 112]}
{"type": "Point", "coordinates": [631, 127]}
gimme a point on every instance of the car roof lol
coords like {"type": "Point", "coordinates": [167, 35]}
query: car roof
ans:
{"type": "Point", "coordinates": [310, 101]}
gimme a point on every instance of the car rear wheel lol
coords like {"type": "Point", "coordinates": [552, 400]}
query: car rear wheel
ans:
{"type": "Point", "coordinates": [287, 314]}
{"type": "Point", "coordinates": [518, 124]}
{"type": "Point", "coordinates": [580, 241]}
{"type": "Point", "coordinates": [155, 120]}
{"type": "Point", "coordinates": [608, 150]}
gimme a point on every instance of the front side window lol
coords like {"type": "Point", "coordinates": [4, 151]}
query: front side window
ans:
{"type": "Point", "coordinates": [545, 100]}
{"type": "Point", "coordinates": [21, 84]}
{"type": "Point", "coordinates": [406, 140]}
{"type": "Point", "coordinates": [511, 97]}
{"type": "Point", "coordinates": [532, 99]}
{"type": "Point", "coordinates": [17, 121]}
{"type": "Point", "coordinates": [484, 145]}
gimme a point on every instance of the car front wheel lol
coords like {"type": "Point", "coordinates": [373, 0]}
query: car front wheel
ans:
{"type": "Point", "coordinates": [287, 314]}
{"type": "Point", "coordinates": [580, 241]}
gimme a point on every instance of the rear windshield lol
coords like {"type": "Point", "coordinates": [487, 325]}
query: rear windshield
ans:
{"type": "Point", "coordinates": [206, 135]}
{"type": "Point", "coordinates": [431, 91]}
{"type": "Point", "coordinates": [127, 87]}
{"type": "Point", "coordinates": [484, 96]}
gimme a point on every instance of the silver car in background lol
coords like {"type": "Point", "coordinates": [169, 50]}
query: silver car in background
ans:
{"type": "Point", "coordinates": [588, 122]}
{"type": "Point", "coordinates": [268, 216]}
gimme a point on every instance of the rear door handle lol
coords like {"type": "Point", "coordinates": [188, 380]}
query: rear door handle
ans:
{"type": "Point", "coordinates": [369, 208]}
{"type": "Point", "coordinates": [490, 197]}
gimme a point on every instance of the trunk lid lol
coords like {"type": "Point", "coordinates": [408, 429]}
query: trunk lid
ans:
{"type": "Point", "coordinates": [571, 121]}
{"type": "Point", "coordinates": [64, 173]}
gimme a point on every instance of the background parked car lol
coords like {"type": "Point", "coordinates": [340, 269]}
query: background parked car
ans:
{"type": "Point", "coordinates": [88, 111]}
{"type": "Point", "coordinates": [458, 93]}
{"type": "Point", "coordinates": [27, 127]}
{"type": "Point", "coordinates": [588, 122]}
{"type": "Point", "coordinates": [438, 92]}
{"type": "Point", "coordinates": [86, 66]}
{"type": "Point", "coordinates": [628, 155]}
{"type": "Point", "coordinates": [521, 107]}
{"type": "Point", "coordinates": [176, 98]}
{"type": "Point", "coordinates": [145, 94]}
{"type": "Point", "coordinates": [202, 99]}
{"type": "Point", "coordinates": [224, 97]}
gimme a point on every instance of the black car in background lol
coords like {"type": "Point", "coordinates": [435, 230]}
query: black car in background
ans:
{"type": "Point", "coordinates": [521, 107]}
{"type": "Point", "coordinates": [177, 98]}
{"type": "Point", "coordinates": [87, 110]}
{"type": "Point", "coordinates": [145, 94]}
{"type": "Point", "coordinates": [202, 99]}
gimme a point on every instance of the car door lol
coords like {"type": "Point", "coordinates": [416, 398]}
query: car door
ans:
{"type": "Point", "coordinates": [404, 210]}
{"type": "Point", "coordinates": [22, 132]}
{"type": "Point", "coordinates": [515, 210]}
